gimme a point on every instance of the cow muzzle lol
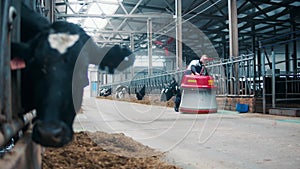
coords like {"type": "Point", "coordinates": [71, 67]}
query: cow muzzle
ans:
{"type": "Point", "coordinates": [52, 134]}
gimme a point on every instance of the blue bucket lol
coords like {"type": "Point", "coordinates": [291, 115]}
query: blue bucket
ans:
{"type": "Point", "coordinates": [242, 108]}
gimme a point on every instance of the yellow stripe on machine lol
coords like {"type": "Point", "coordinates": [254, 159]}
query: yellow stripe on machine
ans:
{"type": "Point", "coordinates": [192, 80]}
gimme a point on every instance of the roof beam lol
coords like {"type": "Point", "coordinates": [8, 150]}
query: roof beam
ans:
{"type": "Point", "coordinates": [206, 16]}
{"type": "Point", "coordinates": [104, 16]}
{"type": "Point", "coordinates": [257, 7]}
{"type": "Point", "coordinates": [285, 3]}
{"type": "Point", "coordinates": [116, 31]}
{"type": "Point", "coordinates": [144, 6]}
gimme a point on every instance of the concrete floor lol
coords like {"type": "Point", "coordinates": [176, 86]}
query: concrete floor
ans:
{"type": "Point", "coordinates": [225, 140]}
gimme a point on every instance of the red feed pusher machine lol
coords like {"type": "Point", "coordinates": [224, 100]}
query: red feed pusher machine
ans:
{"type": "Point", "coordinates": [198, 95]}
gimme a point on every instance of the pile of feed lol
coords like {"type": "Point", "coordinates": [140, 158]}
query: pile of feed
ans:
{"type": "Point", "coordinates": [99, 150]}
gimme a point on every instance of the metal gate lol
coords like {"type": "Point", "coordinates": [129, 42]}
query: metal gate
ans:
{"type": "Point", "coordinates": [13, 124]}
{"type": "Point", "coordinates": [280, 71]}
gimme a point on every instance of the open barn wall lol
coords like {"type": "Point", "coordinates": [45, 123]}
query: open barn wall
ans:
{"type": "Point", "coordinates": [249, 88]}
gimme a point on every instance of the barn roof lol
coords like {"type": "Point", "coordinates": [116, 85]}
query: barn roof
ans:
{"type": "Point", "coordinates": [257, 21]}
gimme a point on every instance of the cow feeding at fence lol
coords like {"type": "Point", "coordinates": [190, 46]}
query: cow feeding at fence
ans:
{"type": "Point", "coordinates": [51, 83]}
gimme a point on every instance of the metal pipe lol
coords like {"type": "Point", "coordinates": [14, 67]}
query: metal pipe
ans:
{"type": "Point", "coordinates": [11, 129]}
{"type": "Point", "coordinates": [149, 32]}
{"type": "Point", "coordinates": [264, 81]}
{"type": "Point", "coordinates": [2, 139]}
{"type": "Point", "coordinates": [104, 16]}
{"type": "Point", "coordinates": [132, 49]}
{"type": "Point", "coordinates": [111, 41]}
{"type": "Point", "coordinates": [178, 5]}
{"type": "Point", "coordinates": [294, 49]}
{"type": "Point", "coordinates": [233, 36]}
{"type": "Point", "coordinates": [51, 10]}
{"type": "Point", "coordinates": [293, 32]}
{"type": "Point", "coordinates": [2, 56]}
{"type": "Point", "coordinates": [273, 80]}
{"type": "Point", "coordinates": [225, 63]}
{"type": "Point", "coordinates": [113, 31]}
{"type": "Point", "coordinates": [87, 2]}
{"type": "Point", "coordinates": [130, 13]}
{"type": "Point", "coordinates": [5, 82]}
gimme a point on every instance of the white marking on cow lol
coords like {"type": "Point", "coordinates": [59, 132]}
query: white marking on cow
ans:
{"type": "Point", "coordinates": [62, 41]}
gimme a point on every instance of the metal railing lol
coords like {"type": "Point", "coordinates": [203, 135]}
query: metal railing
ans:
{"type": "Point", "coordinates": [13, 127]}
{"type": "Point", "coordinates": [10, 102]}
{"type": "Point", "coordinates": [280, 87]}
{"type": "Point", "coordinates": [225, 75]}
{"type": "Point", "coordinates": [243, 85]}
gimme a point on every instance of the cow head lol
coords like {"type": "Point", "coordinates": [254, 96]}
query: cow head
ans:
{"type": "Point", "coordinates": [47, 81]}
{"type": "Point", "coordinates": [118, 57]}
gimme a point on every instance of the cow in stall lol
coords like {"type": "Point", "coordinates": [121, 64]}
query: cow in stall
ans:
{"type": "Point", "coordinates": [105, 92]}
{"type": "Point", "coordinates": [121, 91]}
{"type": "Point", "coordinates": [141, 93]}
{"type": "Point", "coordinates": [56, 56]}
{"type": "Point", "coordinates": [170, 90]}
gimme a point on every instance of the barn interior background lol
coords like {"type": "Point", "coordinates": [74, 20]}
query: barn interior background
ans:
{"type": "Point", "coordinates": [255, 46]}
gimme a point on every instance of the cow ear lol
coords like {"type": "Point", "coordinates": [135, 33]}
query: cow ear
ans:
{"type": "Point", "coordinates": [62, 41]}
{"type": "Point", "coordinates": [17, 63]}
{"type": "Point", "coordinates": [20, 50]}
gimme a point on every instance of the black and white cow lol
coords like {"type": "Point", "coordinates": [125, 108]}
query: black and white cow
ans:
{"type": "Point", "coordinates": [105, 92]}
{"type": "Point", "coordinates": [121, 90]}
{"type": "Point", "coordinates": [170, 90]}
{"type": "Point", "coordinates": [141, 93]}
{"type": "Point", "coordinates": [57, 57]}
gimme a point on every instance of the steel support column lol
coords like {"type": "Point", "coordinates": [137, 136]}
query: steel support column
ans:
{"type": "Point", "coordinates": [50, 5]}
{"type": "Point", "coordinates": [178, 34]}
{"type": "Point", "coordinates": [294, 55]}
{"type": "Point", "coordinates": [233, 36]}
{"type": "Point", "coordinates": [273, 80]}
{"type": "Point", "coordinates": [16, 75]}
{"type": "Point", "coordinates": [149, 33]}
{"type": "Point", "coordinates": [263, 73]}
{"type": "Point", "coordinates": [255, 55]}
{"type": "Point", "coordinates": [5, 79]}
{"type": "Point", "coordinates": [224, 49]}
{"type": "Point", "coordinates": [287, 58]}
{"type": "Point", "coordinates": [132, 49]}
